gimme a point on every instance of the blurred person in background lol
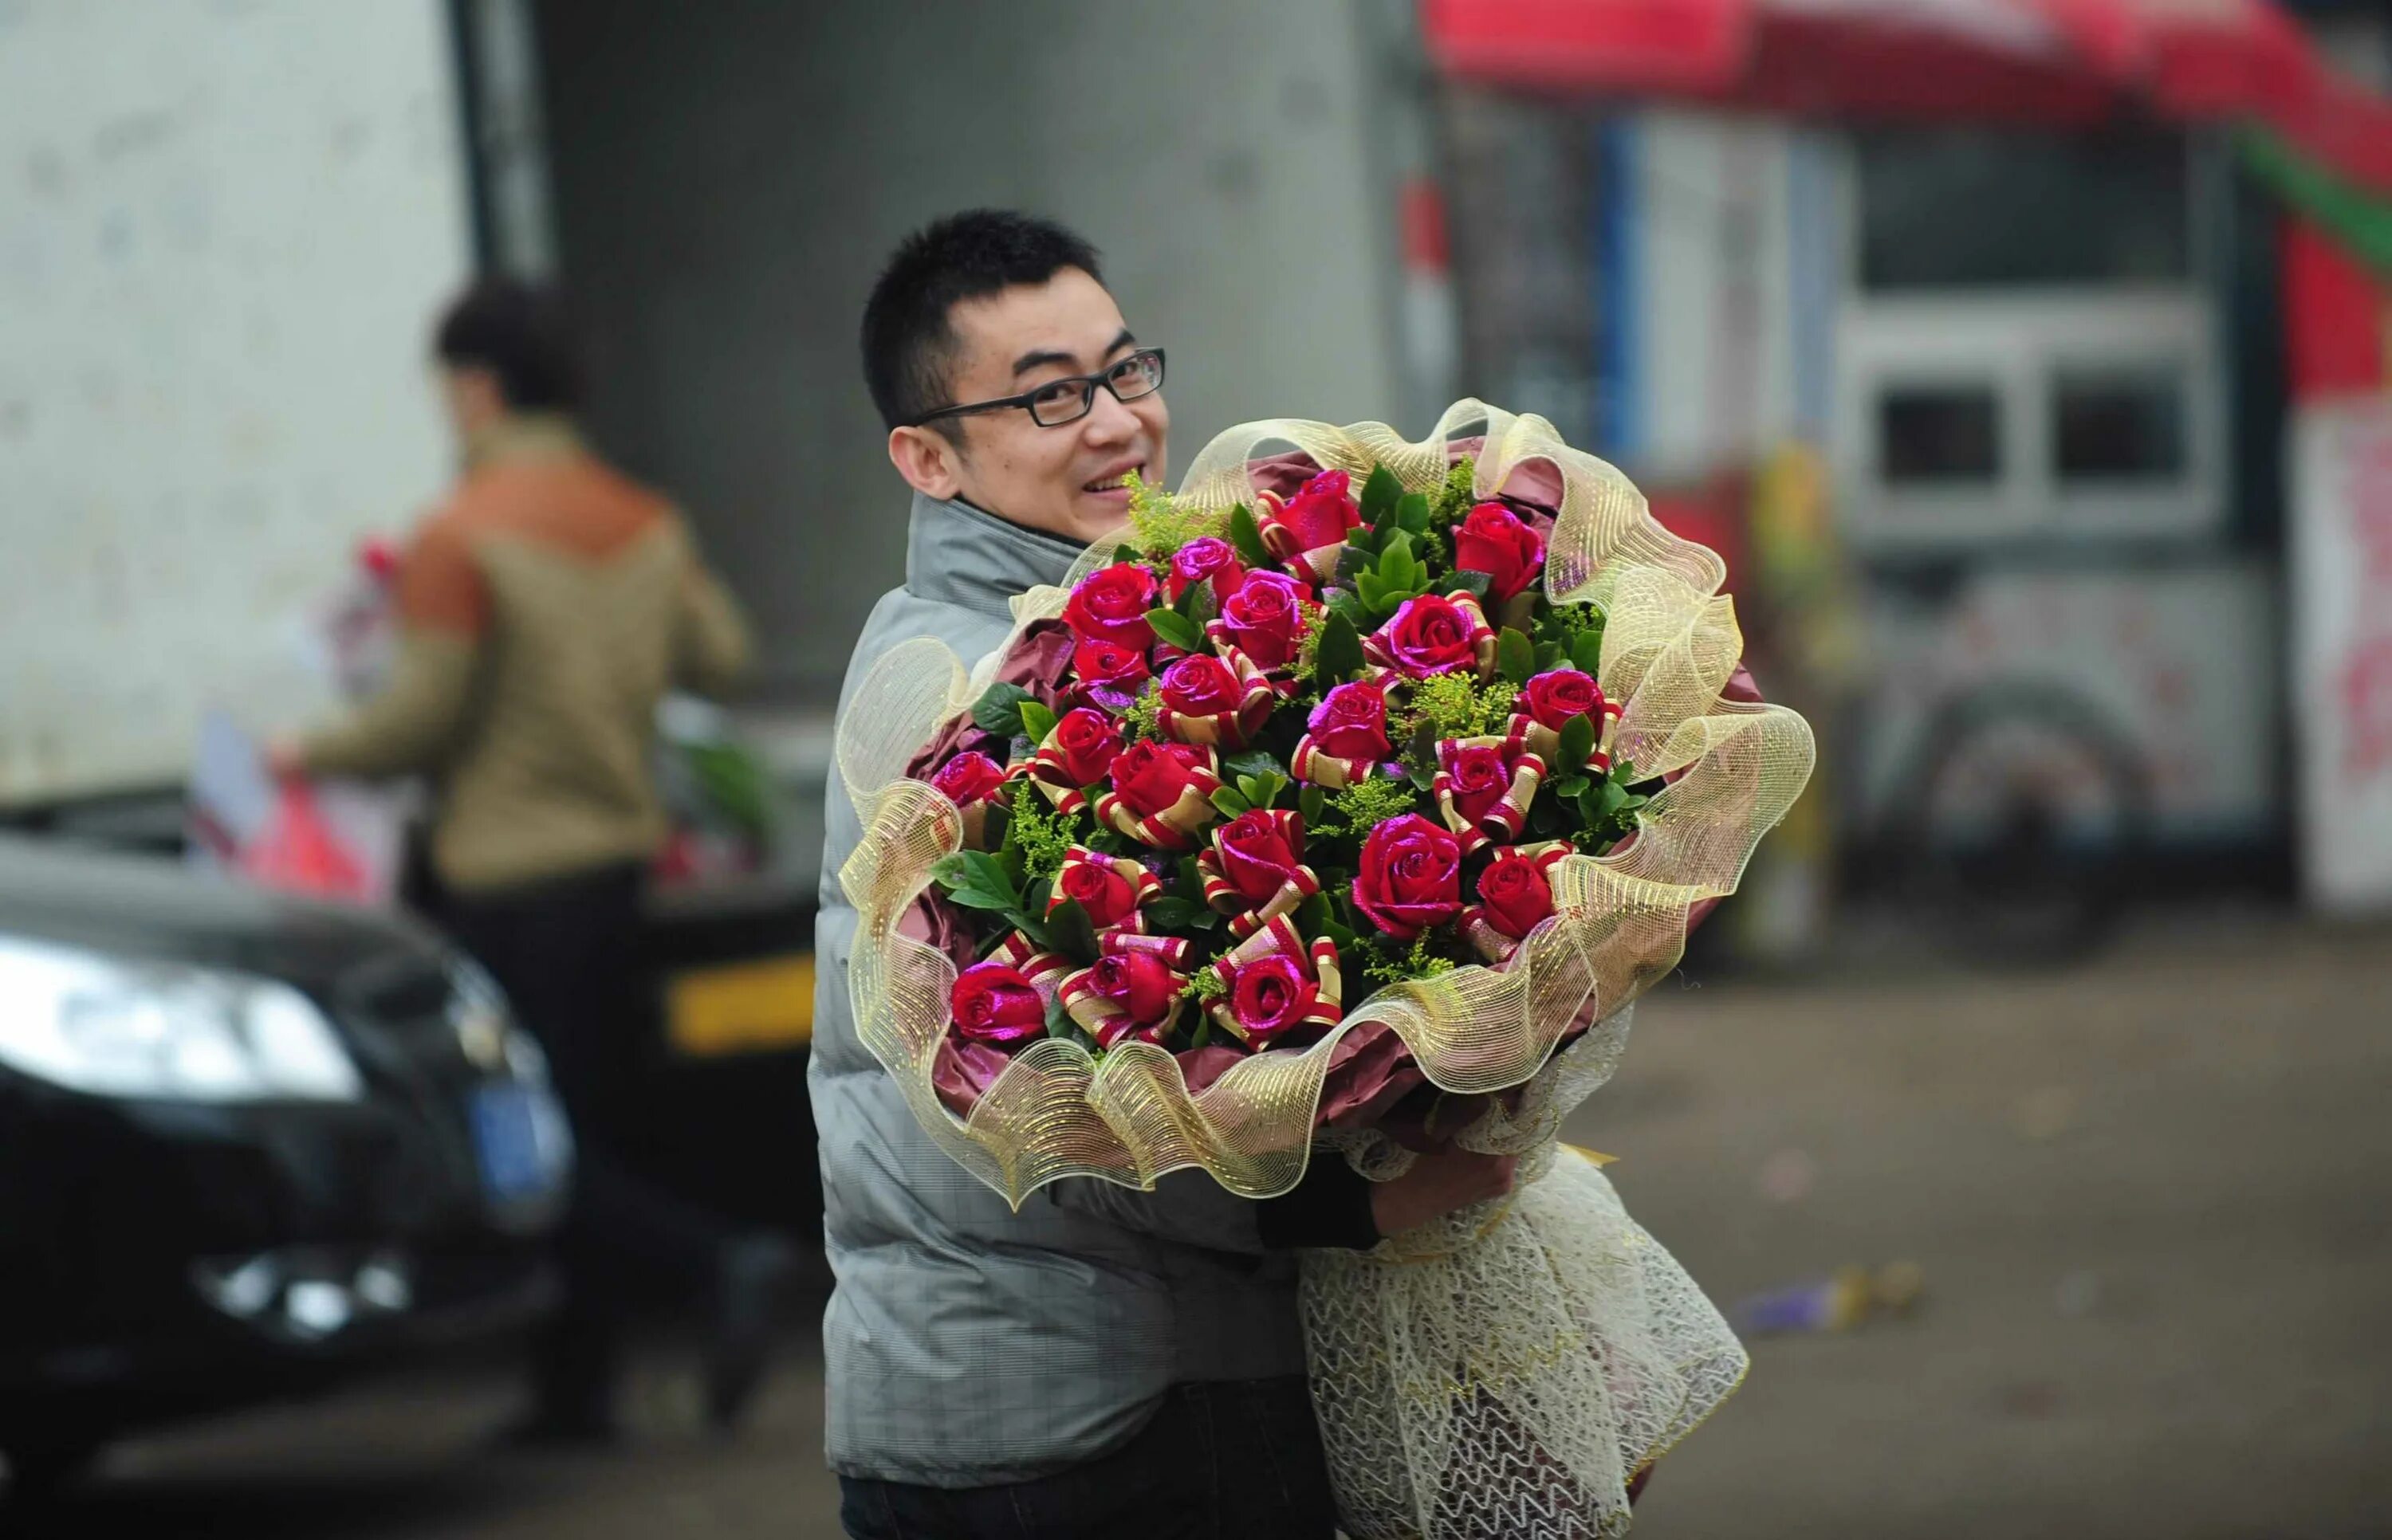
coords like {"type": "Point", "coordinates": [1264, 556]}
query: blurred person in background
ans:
{"type": "Point", "coordinates": [1105, 1362]}
{"type": "Point", "coordinates": [542, 612]}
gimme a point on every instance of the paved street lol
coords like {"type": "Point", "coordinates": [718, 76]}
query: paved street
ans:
{"type": "Point", "coordinates": [2149, 1198]}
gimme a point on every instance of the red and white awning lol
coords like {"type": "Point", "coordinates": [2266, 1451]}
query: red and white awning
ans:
{"type": "Point", "coordinates": [2030, 60]}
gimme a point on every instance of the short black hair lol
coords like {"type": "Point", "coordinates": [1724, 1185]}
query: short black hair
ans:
{"type": "Point", "coordinates": [518, 332]}
{"type": "Point", "coordinates": [908, 345]}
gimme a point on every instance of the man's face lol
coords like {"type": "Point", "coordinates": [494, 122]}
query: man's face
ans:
{"type": "Point", "coordinates": [1068, 480]}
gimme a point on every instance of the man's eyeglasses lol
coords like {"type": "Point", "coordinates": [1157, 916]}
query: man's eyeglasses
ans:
{"type": "Point", "coordinates": [1061, 401]}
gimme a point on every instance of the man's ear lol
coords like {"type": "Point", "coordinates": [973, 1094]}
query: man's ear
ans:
{"type": "Point", "coordinates": [929, 462]}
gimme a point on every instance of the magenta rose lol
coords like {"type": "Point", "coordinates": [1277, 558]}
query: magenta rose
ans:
{"type": "Point", "coordinates": [1351, 723]}
{"type": "Point", "coordinates": [1481, 777]}
{"type": "Point", "coordinates": [1430, 634]}
{"type": "Point", "coordinates": [1205, 561]}
{"type": "Point", "coordinates": [1142, 986]}
{"type": "Point", "coordinates": [1111, 605]}
{"type": "Point", "coordinates": [1087, 741]}
{"type": "Point", "coordinates": [1321, 514]}
{"type": "Point", "coordinates": [1266, 617]}
{"type": "Point", "coordinates": [1409, 877]}
{"type": "Point", "coordinates": [1259, 853]}
{"type": "Point", "coordinates": [1271, 996]}
{"type": "Point", "coordinates": [1556, 698]}
{"type": "Point", "coordinates": [968, 778]}
{"type": "Point", "coordinates": [1494, 540]}
{"type": "Point", "coordinates": [995, 1003]}
{"type": "Point", "coordinates": [1514, 894]}
{"type": "Point", "coordinates": [1149, 777]}
{"type": "Point", "coordinates": [1111, 666]}
{"type": "Point", "coordinates": [1108, 897]}
{"type": "Point", "coordinates": [1201, 685]}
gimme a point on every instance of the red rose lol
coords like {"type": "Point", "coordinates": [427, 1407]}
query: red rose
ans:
{"type": "Point", "coordinates": [995, 1003]}
{"type": "Point", "coordinates": [1322, 513]}
{"type": "Point", "coordinates": [1430, 634]}
{"type": "Point", "coordinates": [1481, 776]}
{"type": "Point", "coordinates": [1514, 894]}
{"type": "Point", "coordinates": [1559, 696]}
{"type": "Point", "coordinates": [1108, 897]}
{"type": "Point", "coordinates": [1149, 777]}
{"type": "Point", "coordinates": [1494, 540]}
{"type": "Point", "coordinates": [1087, 740]}
{"type": "Point", "coordinates": [1111, 605]}
{"type": "Point", "coordinates": [1110, 664]}
{"type": "Point", "coordinates": [1270, 996]}
{"type": "Point", "coordinates": [1259, 853]}
{"type": "Point", "coordinates": [1351, 723]}
{"type": "Point", "coordinates": [969, 778]}
{"type": "Point", "coordinates": [1411, 876]}
{"type": "Point", "coordinates": [1266, 616]}
{"type": "Point", "coordinates": [1143, 985]}
{"type": "Point", "coordinates": [1201, 685]}
{"type": "Point", "coordinates": [1207, 560]}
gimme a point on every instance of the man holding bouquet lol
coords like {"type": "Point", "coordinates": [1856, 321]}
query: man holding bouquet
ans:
{"type": "Point", "coordinates": [1105, 1362]}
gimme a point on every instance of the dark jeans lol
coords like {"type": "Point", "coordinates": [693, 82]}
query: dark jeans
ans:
{"type": "Point", "coordinates": [568, 954]}
{"type": "Point", "coordinates": [1236, 1460]}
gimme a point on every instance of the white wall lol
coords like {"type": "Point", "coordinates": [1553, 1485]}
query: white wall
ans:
{"type": "Point", "coordinates": [224, 229]}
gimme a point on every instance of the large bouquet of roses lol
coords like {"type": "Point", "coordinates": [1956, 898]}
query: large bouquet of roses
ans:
{"type": "Point", "coordinates": [1349, 796]}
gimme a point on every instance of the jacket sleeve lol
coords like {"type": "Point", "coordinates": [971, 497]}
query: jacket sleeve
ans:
{"type": "Point", "coordinates": [1331, 1207]}
{"type": "Point", "coordinates": [711, 647]}
{"type": "Point", "coordinates": [412, 723]}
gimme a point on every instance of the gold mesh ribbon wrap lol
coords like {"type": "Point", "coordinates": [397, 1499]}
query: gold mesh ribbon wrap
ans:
{"type": "Point", "coordinates": [1669, 644]}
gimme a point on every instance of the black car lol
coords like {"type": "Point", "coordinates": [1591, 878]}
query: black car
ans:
{"type": "Point", "coordinates": [248, 1147]}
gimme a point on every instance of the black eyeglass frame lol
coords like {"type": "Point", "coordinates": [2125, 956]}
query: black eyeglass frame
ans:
{"type": "Point", "coordinates": [1088, 383]}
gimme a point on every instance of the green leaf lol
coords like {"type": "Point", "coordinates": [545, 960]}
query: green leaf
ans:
{"type": "Point", "coordinates": [1169, 914]}
{"type": "Point", "coordinates": [1253, 761]}
{"type": "Point", "coordinates": [1202, 1034]}
{"type": "Point", "coordinates": [1394, 563]}
{"type": "Point", "coordinates": [1381, 492]}
{"type": "Point", "coordinates": [1263, 789]}
{"type": "Point", "coordinates": [1191, 876]}
{"type": "Point", "coordinates": [1609, 800]}
{"type": "Point", "coordinates": [1373, 590]}
{"type": "Point", "coordinates": [1550, 654]}
{"type": "Point", "coordinates": [1339, 656]}
{"type": "Point", "coordinates": [1516, 657]}
{"type": "Point", "coordinates": [1586, 653]}
{"type": "Point", "coordinates": [1231, 803]}
{"type": "Point", "coordinates": [980, 898]}
{"type": "Point", "coordinates": [1352, 561]}
{"type": "Point", "coordinates": [1571, 786]}
{"type": "Point", "coordinates": [1310, 803]}
{"type": "Point", "coordinates": [1071, 932]}
{"type": "Point", "coordinates": [1578, 742]}
{"type": "Point", "coordinates": [1246, 538]}
{"type": "Point", "coordinates": [1346, 604]}
{"type": "Point", "coordinates": [1127, 553]}
{"type": "Point", "coordinates": [998, 710]}
{"type": "Point", "coordinates": [1176, 629]}
{"type": "Point", "coordinates": [1036, 721]}
{"type": "Point", "coordinates": [1471, 583]}
{"type": "Point", "coordinates": [1411, 512]}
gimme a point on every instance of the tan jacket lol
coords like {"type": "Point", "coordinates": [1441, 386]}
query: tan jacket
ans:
{"type": "Point", "coordinates": [542, 612]}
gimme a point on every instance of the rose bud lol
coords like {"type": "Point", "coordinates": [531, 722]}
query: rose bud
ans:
{"type": "Point", "coordinates": [1410, 876]}
{"type": "Point", "coordinates": [1434, 634]}
{"type": "Point", "coordinates": [1345, 737]}
{"type": "Point", "coordinates": [971, 781]}
{"type": "Point", "coordinates": [1110, 888]}
{"type": "Point", "coordinates": [1275, 986]}
{"type": "Point", "coordinates": [1553, 700]}
{"type": "Point", "coordinates": [1266, 618]}
{"type": "Point", "coordinates": [1514, 894]}
{"type": "Point", "coordinates": [1307, 530]}
{"type": "Point", "coordinates": [1479, 776]}
{"type": "Point", "coordinates": [1484, 787]}
{"type": "Point", "coordinates": [1496, 541]}
{"type": "Point", "coordinates": [1111, 666]}
{"type": "Point", "coordinates": [1160, 793]}
{"type": "Point", "coordinates": [992, 1003]}
{"type": "Point", "coordinates": [1215, 700]}
{"type": "Point", "coordinates": [1255, 870]}
{"type": "Point", "coordinates": [1111, 605]}
{"type": "Point", "coordinates": [1124, 994]}
{"type": "Point", "coordinates": [1085, 740]}
{"type": "Point", "coordinates": [1204, 560]}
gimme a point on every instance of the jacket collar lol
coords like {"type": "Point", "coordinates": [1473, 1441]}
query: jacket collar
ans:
{"type": "Point", "coordinates": [960, 554]}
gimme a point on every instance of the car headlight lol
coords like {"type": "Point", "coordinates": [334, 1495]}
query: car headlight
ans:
{"type": "Point", "coordinates": [119, 1027]}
